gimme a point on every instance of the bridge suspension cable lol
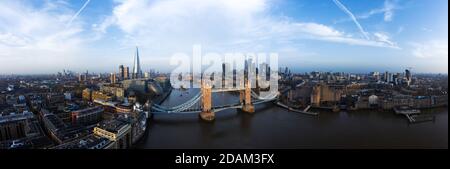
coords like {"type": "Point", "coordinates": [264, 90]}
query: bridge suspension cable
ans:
{"type": "Point", "coordinates": [194, 99]}
{"type": "Point", "coordinates": [269, 97]}
{"type": "Point", "coordinates": [193, 105]}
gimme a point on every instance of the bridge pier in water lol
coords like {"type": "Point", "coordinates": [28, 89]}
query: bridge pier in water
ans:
{"type": "Point", "coordinates": [246, 99]}
{"type": "Point", "coordinates": [207, 114]}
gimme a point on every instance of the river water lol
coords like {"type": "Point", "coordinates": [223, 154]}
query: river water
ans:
{"type": "Point", "coordinates": [272, 127]}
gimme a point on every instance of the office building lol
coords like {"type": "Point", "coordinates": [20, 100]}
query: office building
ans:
{"type": "Point", "coordinates": [137, 72]}
{"type": "Point", "coordinates": [112, 78]}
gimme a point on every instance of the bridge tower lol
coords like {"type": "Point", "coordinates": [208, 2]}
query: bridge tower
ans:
{"type": "Point", "coordinates": [246, 98]}
{"type": "Point", "coordinates": [207, 114]}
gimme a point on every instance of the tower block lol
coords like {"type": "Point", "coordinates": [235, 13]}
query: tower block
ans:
{"type": "Point", "coordinates": [207, 114]}
{"type": "Point", "coordinates": [247, 98]}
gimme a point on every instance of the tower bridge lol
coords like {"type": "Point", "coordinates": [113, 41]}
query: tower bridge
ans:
{"type": "Point", "coordinates": [202, 103]}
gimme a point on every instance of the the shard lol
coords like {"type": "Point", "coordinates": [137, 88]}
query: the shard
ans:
{"type": "Point", "coordinates": [137, 72]}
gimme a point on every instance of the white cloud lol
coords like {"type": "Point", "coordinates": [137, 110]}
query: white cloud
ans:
{"type": "Point", "coordinates": [427, 30]}
{"type": "Point", "coordinates": [388, 12]}
{"type": "Point", "coordinates": [389, 7]}
{"type": "Point", "coordinates": [12, 40]}
{"type": "Point", "coordinates": [383, 37]}
{"type": "Point", "coordinates": [317, 29]}
{"type": "Point", "coordinates": [436, 49]}
{"type": "Point", "coordinates": [216, 23]}
{"type": "Point", "coordinates": [37, 39]}
{"type": "Point", "coordinates": [41, 36]}
{"type": "Point", "coordinates": [25, 27]}
{"type": "Point", "coordinates": [352, 17]}
{"type": "Point", "coordinates": [400, 29]}
{"type": "Point", "coordinates": [78, 13]}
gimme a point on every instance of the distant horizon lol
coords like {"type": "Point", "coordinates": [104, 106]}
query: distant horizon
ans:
{"type": "Point", "coordinates": [292, 71]}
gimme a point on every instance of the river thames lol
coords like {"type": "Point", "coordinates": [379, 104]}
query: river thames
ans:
{"type": "Point", "coordinates": [272, 127]}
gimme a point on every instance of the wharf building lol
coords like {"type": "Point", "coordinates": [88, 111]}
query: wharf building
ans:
{"type": "Point", "coordinates": [117, 131]}
{"type": "Point", "coordinates": [326, 95]}
{"type": "Point", "coordinates": [90, 141]}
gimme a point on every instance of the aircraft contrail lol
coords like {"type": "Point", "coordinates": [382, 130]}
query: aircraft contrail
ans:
{"type": "Point", "coordinates": [350, 14]}
{"type": "Point", "coordinates": [78, 13]}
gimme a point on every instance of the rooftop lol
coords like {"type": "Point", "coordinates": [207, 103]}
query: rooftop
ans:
{"type": "Point", "coordinates": [15, 117]}
{"type": "Point", "coordinates": [89, 142]}
{"type": "Point", "coordinates": [112, 125]}
{"type": "Point", "coordinates": [89, 110]}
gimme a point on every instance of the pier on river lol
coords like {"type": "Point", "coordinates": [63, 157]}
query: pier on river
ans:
{"type": "Point", "coordinates": [413, 115]}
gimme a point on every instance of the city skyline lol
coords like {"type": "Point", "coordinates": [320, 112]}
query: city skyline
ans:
{"type": "Point", "coordinates": [41, 37]}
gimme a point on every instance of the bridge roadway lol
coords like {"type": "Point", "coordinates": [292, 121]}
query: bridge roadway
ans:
{"type": "Point", "coordinates": [226, 90]}
{"type": "Point", "coordinates": [196, 110]}
{"type": "Point", "coordinates": [194, 104]}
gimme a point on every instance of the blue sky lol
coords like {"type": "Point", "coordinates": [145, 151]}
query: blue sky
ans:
{"type": "Point", "coordinates": [45, 36]}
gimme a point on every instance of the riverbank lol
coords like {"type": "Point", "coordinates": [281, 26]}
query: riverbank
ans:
{"type": "Point", "coordinates": [158, 100]}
